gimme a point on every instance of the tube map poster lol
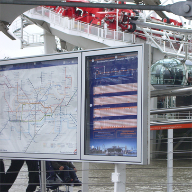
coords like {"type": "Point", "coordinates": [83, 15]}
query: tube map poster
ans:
{"type": "Point", "coordinates": [38, 110]}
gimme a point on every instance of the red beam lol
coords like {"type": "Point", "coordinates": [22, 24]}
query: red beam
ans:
{"type": "Point", "coordinates": [172, 126]}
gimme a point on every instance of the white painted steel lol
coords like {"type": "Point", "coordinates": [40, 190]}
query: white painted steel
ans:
{"type": "Point", "coordinates": [96, 33]}
{"type": "Point", "coordinates": [85, 176]}
{"type": "Point", "coordinates": [120, 178]}
{"type": "Point", "coordinates": [43, 176]}
{"type": "Point", "coordinates": [170, 161]}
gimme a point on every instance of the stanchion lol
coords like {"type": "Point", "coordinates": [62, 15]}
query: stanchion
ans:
{"type": "Point", "coordinates": [119, 178]}
{"type": "Point", "coordinates": [170, 161]}
{"type": "Point", "coordinates": [43, 176]}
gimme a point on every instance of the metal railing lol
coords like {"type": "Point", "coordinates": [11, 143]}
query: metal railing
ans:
{"type": "Point", "coordinates": [166, 41]}
{"type": "Point", "coordinates": [71, 24]}
{"type": "Point", "coordinates": [26, 38]}
{"type": "Point", "coordinates": [139, 178]}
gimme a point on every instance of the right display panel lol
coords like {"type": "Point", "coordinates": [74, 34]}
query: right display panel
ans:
{"type": "Point", "coordinates": [112, 116]}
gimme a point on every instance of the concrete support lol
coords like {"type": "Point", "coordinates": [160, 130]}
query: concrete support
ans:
{"type": "Point", "coordinates": [67, 46]}
{"type": "Point", "coordinates": [119, 178]}
{"type": "Point", "coordinates": [49, 43]}
{"type": "Point", "coordinates": [85, 176]}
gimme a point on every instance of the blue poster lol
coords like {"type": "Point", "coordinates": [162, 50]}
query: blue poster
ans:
{"type": "Point", "coordinates": [111, 114]}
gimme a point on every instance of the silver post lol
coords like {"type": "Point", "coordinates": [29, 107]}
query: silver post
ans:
{"type": "Point", "coordinates": [85, 176]}
{"type": "Point", "coordinates": [43, 176]}
{"type": "Point", "coordinates": [170, 161]}
{"type": "Point", "coordinates": [119, 178]}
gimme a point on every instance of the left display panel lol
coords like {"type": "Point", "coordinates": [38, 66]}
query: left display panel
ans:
{"type": "Point", "coordinates": [40, 106]}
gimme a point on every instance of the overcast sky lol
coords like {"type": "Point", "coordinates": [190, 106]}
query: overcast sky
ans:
{"type": "Point", "coordinates": [12, 48]}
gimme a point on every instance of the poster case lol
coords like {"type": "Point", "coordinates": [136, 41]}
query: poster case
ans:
{"type": "Point", "coordinates": [113, 106]}
{"type": "Point", "coordinates": [40, 107]}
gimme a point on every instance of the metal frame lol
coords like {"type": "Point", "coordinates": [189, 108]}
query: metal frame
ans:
{"type": "Point", "coordinates": [49, 155]}
{"type": "Point", "coordinates": [143, 126]}
{"type": "Point", "coordinates": [179, 8]}
{"type": "Point", "coordinates": [143, 105]}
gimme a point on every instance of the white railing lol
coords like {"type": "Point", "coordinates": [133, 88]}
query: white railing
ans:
{"type": "Point", "coordinates": [166, 41]}
{"type": "Point", "coordinates": [178, 116]}
{"type": "Point", "coordinates": [33, 38]}
{"type": "Point", "coordinates": [27, 39]}
{"type": "Point", "coordinates": [70, 23]}
{"type": "Point", "coordinates": [30, 39]}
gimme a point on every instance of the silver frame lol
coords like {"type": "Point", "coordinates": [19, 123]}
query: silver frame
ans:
{"type": "Point", "coordinates": [144, 94]}
{"type": "Point", "coordinates": [143, 125]}
{"type": "Point", "coordinates": [49, 156]}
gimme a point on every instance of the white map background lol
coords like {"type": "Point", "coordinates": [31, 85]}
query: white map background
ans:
{"type": "Point", "coordinates": [38, 110]}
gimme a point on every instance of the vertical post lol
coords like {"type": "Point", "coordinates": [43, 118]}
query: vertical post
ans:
{"type": "Point", "coordinates": [73, 23]}
{"type": "Point", "coordinates": [88, 28]}
{"type": "Point", "coordinates": [119, 178]}
{"type": "Point", "coordinates": [186, 47]}
{"type": "Point", "coordinates": [78, 24]}
{"type": "Point", "coordinates": [102, 31]}
{"type": "Point", "coordinates": [21, 32]}
{"type": "Point", "coordinates": [153, 147]}
{"type": "Point", "coordinates": [43, 11]}
{"type": "Point", "coordinates": [170, 161]}
{"type": "Point", "coordinates": [164, 43]}
{"type": "Point", "coordinates": [85, 176]}
{"type": "Point", "coordinates": [169, 157]}
{"type": "Point", "coordinates": [54, 18]}
{"type": "Point", "coordinates": [133, 38]}
{"type": "Point", "coordinates": [117, 18]}
{"type": "Point", "coordinates": [49, 43]}
{"type": "Point", "coordinates": [105, 30]}
{"type": "Point", "coordinates": [43, 176]}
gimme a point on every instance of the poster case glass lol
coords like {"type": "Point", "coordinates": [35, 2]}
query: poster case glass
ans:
{"type": "Point", "coordinates": [112, 100]}
{"type": "Point", "coordinates": [40, 107]}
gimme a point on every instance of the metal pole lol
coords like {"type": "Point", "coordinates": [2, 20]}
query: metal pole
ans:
{"type": "Point", "coordinates": [169, 157]}
{"type": "Point", "coordinates": [186, 47]}
{"type": "Point", "coordinates": [43, 176]}
{"type": "Point", "coordinates": [80, 4]}
{"type": "Point", "coordinates": [119, 178]}
{"type": "Point", "coordinates": [170, 161]}
{"type": "Point", "coordinates": [21, 32]}
{"type": "Point", "coordinates": [85, 176]}
{"type": "Point", "coordinates": [117, 18]}
{"type": "Point", "coordinates": [170, 110]}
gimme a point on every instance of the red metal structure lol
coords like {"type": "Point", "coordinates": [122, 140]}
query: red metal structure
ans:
{"type": "Point", "coordinates": [101, 16]}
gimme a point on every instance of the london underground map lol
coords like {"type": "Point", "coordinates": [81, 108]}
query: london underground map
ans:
{"type": "Point", "coordinates": [38, 110]}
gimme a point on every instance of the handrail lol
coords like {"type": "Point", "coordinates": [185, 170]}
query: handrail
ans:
{"type": "Point", "coordinates": [27, 38]}
{"type": "Point", "coordinates": [167, 41]}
